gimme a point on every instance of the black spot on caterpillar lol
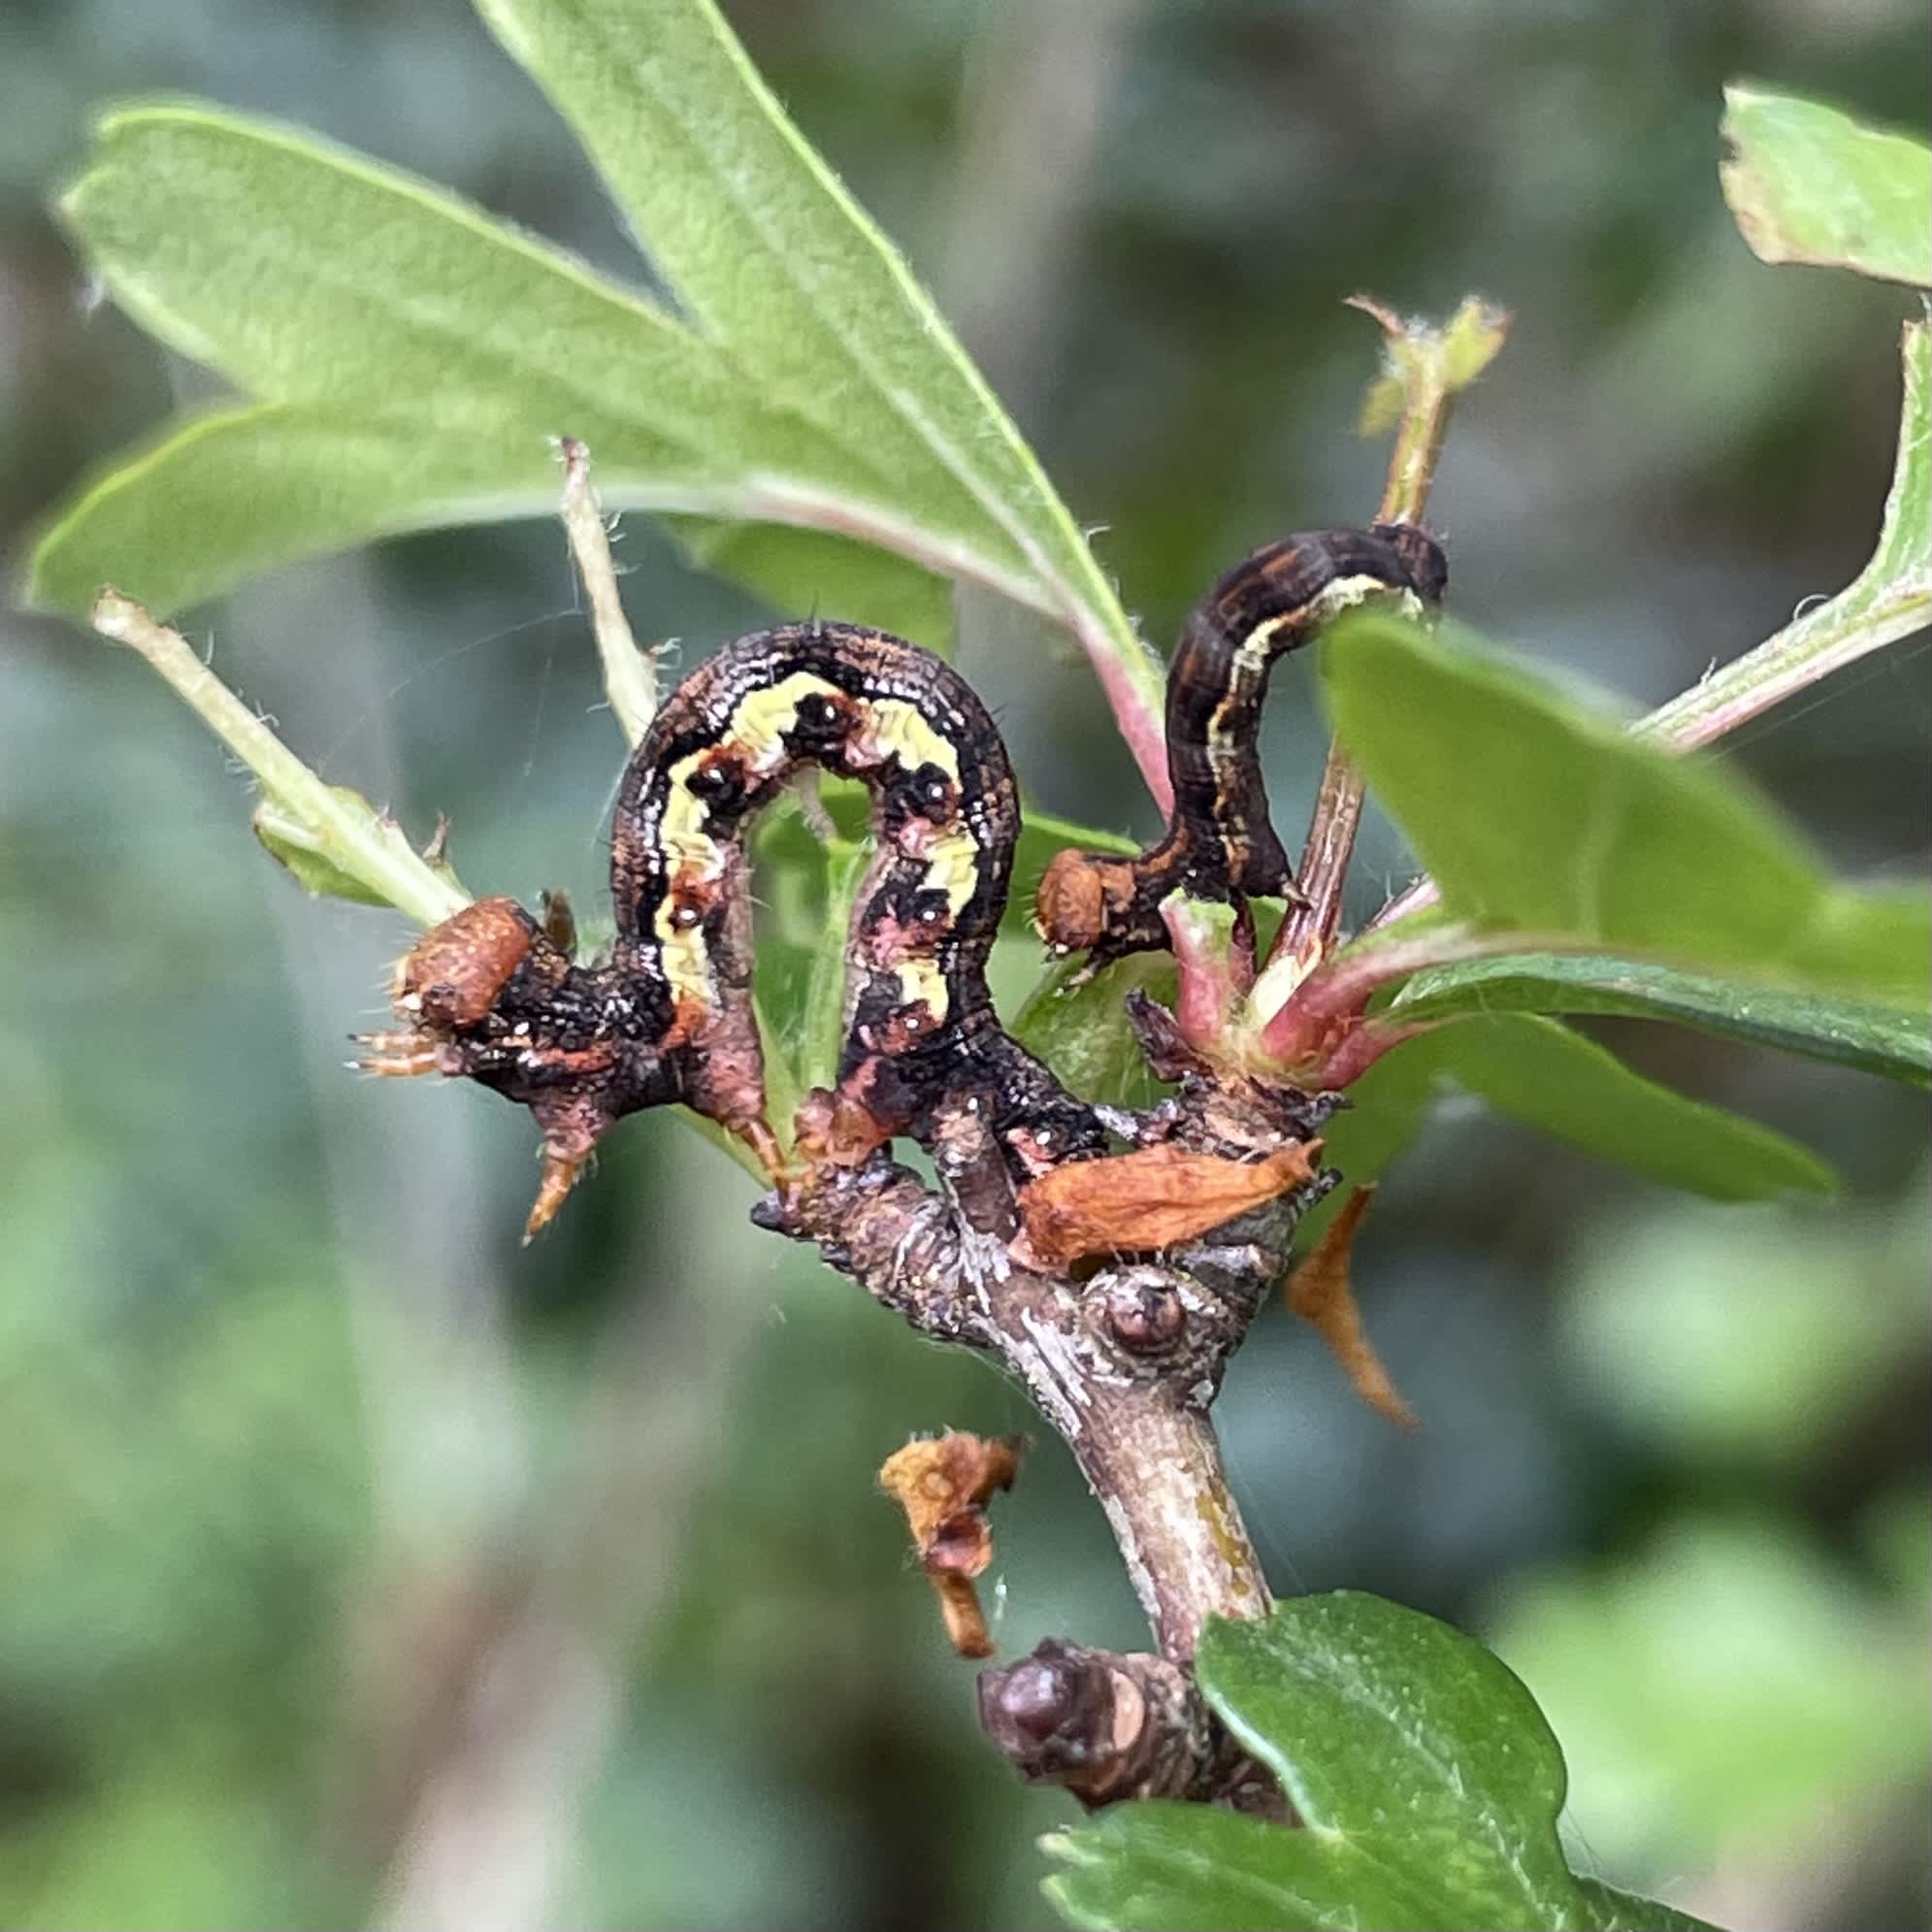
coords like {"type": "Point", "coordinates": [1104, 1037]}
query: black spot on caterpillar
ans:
{"type": "Point", "coordinates": [1218, 843]}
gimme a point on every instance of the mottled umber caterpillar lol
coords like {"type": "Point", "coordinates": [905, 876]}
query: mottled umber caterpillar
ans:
{"type": "Point", "coordinates": [494, 996]}
{"type": "Point", "coordinates": [1218, 843]}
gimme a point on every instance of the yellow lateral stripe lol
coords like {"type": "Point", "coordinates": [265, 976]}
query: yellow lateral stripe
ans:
{"type": "Point", "coordinates": [896, 728]}
{"type": "Point", "coordinates": [921, 983]}
{"type": "Point", "coordinates": [757, 729]}
{"type": "Point", "coordinates": [952, 867]}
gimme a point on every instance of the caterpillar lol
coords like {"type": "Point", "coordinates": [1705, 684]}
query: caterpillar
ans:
{"type": "Point", "coordinates": [1218, 843]}
{"type": "Point", "coordinates": [492, 995]}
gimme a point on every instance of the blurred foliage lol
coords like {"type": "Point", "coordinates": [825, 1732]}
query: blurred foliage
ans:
{"type": "Point", "coordinates": [1768, 1696]}
{"type": "Point", "coordinates": [292, 1425]}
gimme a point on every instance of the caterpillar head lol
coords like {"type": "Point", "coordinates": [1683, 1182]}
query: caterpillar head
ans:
{"type": "Point", "coordinates": [491, 995]}
{"type": "Point", "coordinates": [1084, 898]}
{"type": "Point", "coordinates": [1422, 557]}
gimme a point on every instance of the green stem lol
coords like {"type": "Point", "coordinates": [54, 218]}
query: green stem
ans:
{"type": "Point", "coordinates": [630, 675]}
{"type": "Point", "coordinates": [353, 836]}
{"type": "Point", "coordinates": [1426, 368]}
{"type": "Point", "coordinates": [1819, 643]}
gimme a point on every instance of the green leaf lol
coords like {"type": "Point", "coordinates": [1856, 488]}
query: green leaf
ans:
{"type": "Point", "coordinates": [1545, 1076]}
{"type": "Point", "coordinates": [430, 355]}
{"type": "Point", "coordinates": [236, 491]}
{"type": "Point", "coordinates": [1808, 183]}
{"type": "Point", "coordinates": [1540, 1072]}
{"type": "Point", "coordinates": [416, 357]}
{"type": "Point", "coordinates": [822, 1022]}
{"type": "Point", "coordinates": [1427, 1781]}
{"type": "Point", "coordinates": [1877, 1039]}
{"type": "Point", "coordinates": [1082, 1031]}
{"type": "Point", "coordinates": [1536, 815]}
{"type": "Point", "coordinates": [299, 253]}
{"type": "Point", "coordinates": [772, 258]}
{"type": "Point", "coordinates": [1889, 599]}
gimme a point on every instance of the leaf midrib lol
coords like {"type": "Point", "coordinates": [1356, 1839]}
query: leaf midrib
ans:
{"type": "Point", "coordinates": [710, 356]}
{"type": "Point", "coordinates": [1314, 1666]}
{"type": "Point", "coordinates": [979, 490]}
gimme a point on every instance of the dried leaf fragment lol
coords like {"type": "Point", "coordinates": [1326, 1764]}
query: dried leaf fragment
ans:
{"type": "Point", "coordinates": [944, 1484]}
{"type": "Point", "coordinates": [1318, 1292]}
{"type": "Point", "coordinates": [1151, 1198]}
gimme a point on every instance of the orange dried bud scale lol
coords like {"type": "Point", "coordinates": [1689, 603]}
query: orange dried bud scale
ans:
{"type": "Point", "coordinates": [1321, 1293]}
{"type": "Point", "coordinates": [945, 1485]}
{"type": "Point", "coordinates": [1153, 1198]}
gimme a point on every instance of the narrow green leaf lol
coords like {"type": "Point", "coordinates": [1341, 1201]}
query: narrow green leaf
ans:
{"type": "Point", "coordinates": [1426, 1779]}
{"type": "Point", "coordinates": [243, 490]}
{"type": "Point", "coordinates": [1542, 1073]}
{"type": "Point", "coordinates": [1536, 815]}
{"type": "Point", "coordinates": [776, 259]}
{"type": "Point", "coordinates": [414, 359]}
{"type": "Point", "coordinates": [1808, 183]}
{"type": "Point", "coordinates": [235, 491]}
{"type": "Point", "coordinates": [1878, 1039]}
{"type": "Point", "coordinates": [822, 1022]}
{"type": "Point", "coordinates": [1538, 1071]}
{"type": "Point", "coordinates": [803, 882]}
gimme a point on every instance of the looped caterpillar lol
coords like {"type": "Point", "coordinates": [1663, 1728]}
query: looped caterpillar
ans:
{"type": "Point", "coordinates": [493, 995]}
{"type": "Point", "coordinates": [1218, 843]}
{"type": "Point", "coordinates": [490, 995]}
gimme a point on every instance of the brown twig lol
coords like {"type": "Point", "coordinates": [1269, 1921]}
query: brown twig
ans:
{"type": "Point", "coordinates": [1123, 1364]}
{"type": "Point", "coordinates": [1106, 1727]}
{"type": "Point", "coordinates": [1134, 1416]}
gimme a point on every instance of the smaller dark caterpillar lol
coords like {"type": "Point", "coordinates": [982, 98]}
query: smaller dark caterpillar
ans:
{"type": "Point", "coordinates": [1218, 843]}
{"type": "Point", "coordinates": [494, 997]}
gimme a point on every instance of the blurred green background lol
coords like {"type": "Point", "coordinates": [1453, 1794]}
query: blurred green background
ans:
{"type": "Point", "coordinates": [362, 1567]}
